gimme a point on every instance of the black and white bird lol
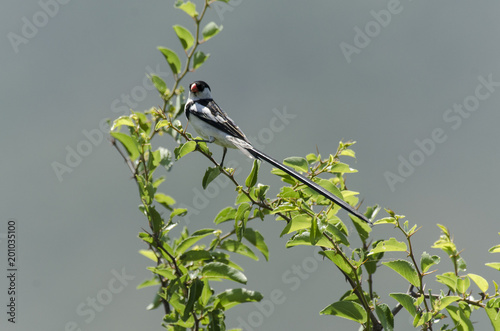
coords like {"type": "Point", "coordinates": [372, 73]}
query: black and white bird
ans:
{"type": "Point", "coordinates": [215, 126]}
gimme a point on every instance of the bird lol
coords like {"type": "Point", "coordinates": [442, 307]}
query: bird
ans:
{"type": "Point", "coordinates": [215, 126]}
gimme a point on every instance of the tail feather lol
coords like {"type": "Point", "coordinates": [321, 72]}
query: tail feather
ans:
{"type": "Point", "coordinates": [242, 145]}
{"type": "Point", "coordinates": [321, 190]}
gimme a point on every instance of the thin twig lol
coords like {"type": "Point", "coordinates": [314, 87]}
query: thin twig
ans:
{"type": "Point", "coordinates": [356, 286]}
{"type": "Point", "coordinates": [125, 158]}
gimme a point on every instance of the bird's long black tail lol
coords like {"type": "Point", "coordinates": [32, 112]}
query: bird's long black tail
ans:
{"type": "Point", "coordinates": [321, 190]}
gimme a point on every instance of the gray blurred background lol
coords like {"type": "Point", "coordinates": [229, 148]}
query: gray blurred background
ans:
{"type": "Point", "coordinates": [399, 85]}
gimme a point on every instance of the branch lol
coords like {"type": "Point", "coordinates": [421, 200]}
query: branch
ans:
{"type": "Point", "coordinates": [356, 286]}
{"type": "Point", "coordinates": [125, 158]}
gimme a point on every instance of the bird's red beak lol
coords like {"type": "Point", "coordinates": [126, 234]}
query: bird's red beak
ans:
{"type": "Point", "coordinates": [193, 88]}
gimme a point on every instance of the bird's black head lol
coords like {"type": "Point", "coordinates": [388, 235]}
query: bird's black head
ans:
{"type": "Point", "coordinates": [199, 90]}
{"type": "Point", "coordinates": [199, 86]}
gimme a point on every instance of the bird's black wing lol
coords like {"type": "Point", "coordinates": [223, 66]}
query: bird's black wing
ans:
{"type": "Point", "coordinates": [219, 119]}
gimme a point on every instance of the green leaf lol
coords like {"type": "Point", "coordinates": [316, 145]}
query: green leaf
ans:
{"type": "Point", "coordinates": [406, 301]}
{"type": "Point", "coordinates": [284, 176]}
{"type": "Point", "coordinates": [372, 263]}
{"type": "Point", "coordinates": [177, 212]}
{"type": "Point", "coordinates": [445, 245]}
{"type": "Point", "coordinates": [444, 229]}
{"type": "Point", "coordinates": [297, 163]}
{"type": "Point", "coordinates": [298, 222]}
{"type": "Point", "coordinates": [177, 302]}
{"type": "Point", "coordinates": [304, 238]}
{"type": "Point", "coordinates": [494, 249]}
{"type": "Point", "coordinates": [160, 85]}
{"type": "Point", "coordinates": [162, 123]}
{"type": "Point", "coordinates": [206, 294]}
{"type": "Point", "coordinates": [122, 120]}
{"type": "Point", "coordinates": [339, 262]}
{"type": "Point", "coordinates": [315, 234]}
{"type": "Point", "coordinates": [241, 218]}
{"type": "Point", "coordinates": [210, 30]}
{"type": "Point", "coordinates": [172, 59]}
{"type": "Point", "coordinates": [422, 318]}
{"type": "Point", "coordinates": [391, 245]}
{"type": "Point", "coordinates": [242, 197]}
{"type": "Point", "coordinates": [386, 220]}
{"type": "Point", "coordinates": [164, 272]}
{"type": "Point", "coordinates": [233, 297]}
{"type": "Point", "coordinates": [419, 300]}
{"type": "Point", "coordinates": [155, 219]}
{"type": "Point", "coordinates": [445, 302]}
{"type": "Point", "coordinates": [195, 291]}
{"type": "Point", "coordinates": [493, 314]}
{"type": "Point", "coordinates": [347, 193]}
{"type": "Point", "coordinates": [461, 265]}
{"type": "Point", "coordinates": [256, 239]}
{"type": "Point", "coordinates": [199, 58]}
{"type": "Point", "coordinates": [463, 284]}
{"type": "Point", "coordinates": [405, 269]}
{"type": "Point", "coordinates": [188, 7]}
{"type": "Point", "coordinates": [148, 282]}
{"type": "Point", "coordinates": [147, 191]}
{"type": "Point", "coordinates": [372, 211]}
{"type": "Point", "coordinates": [494, 265]}
{"type": "Point", "coordinates": [149, 254]}
{"type": "Point", "coordinates": [158, 181]}
{"type": "Point", "coordinates": [219, 256]}
{"type": "Point", "coordinates": [185, 36]}
{"type": "Point", "coordinates": [348, 152]}
{"type": "Point", "coordinates": [217, 270]}
{"type": "Point", "coordinates": [283, 209]}
{"type": "Point", "coordinates": [346, 309]}
{"type": "Point", "coordinates": [385, 316]}
{"type": "Point", "coordinates": [362, 228]}
{"type": "Point", "coordinates": [242, 212]}
{"type": "Point", "coordinates": [312, 158]}
{"type": "Point", "coordinates": [261, 191]}
{"type": "Point", "coordinates": [209, 176]}
{"type": "Point", "coordinates": [129, 143]}
{"type": "Point", "coordinates": [427, 261]}
{"type": "Point", "coordinates": [215, 320]}
{"type": "Point", "coordinates": [260, 213]}
{"type": "Point", "coordinates": [153, 160]}
{"type": "Point", "coordinates": [196, 255]}
{"type": "Point", "coordinates": [343, 168]}
{"type": "Point", "coordinates": [449, 279]}
{"type": "Point", "coordinates": [191, 240]}
{"type": "Point", "coordinates": [202, 146]}
{"type": "Point", "coordinates": [462, 322]}
{"type": "Point", "coordinates": [252, 177]}
{"type": "Point", "coordinates": [326, 184]}
{"type": "Point", "coordinates": [289, 193]}
{"type": "Point", "coordinates": [146, 237]}
{"type": "Point", "coordinates": [480, 282]}
{"type": "Point", "coordinates": [165, 200]}
{"type": "Point", "coordinates": [226, 214]}
{"type": "Point", "coordinates": [238, 247]}
{"type": "Point", "coordinates": [337, 234]}
{"type": "Point", "coordinates": [184, 149]}
{"type": "Point", "coordinates": [156, 302]}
